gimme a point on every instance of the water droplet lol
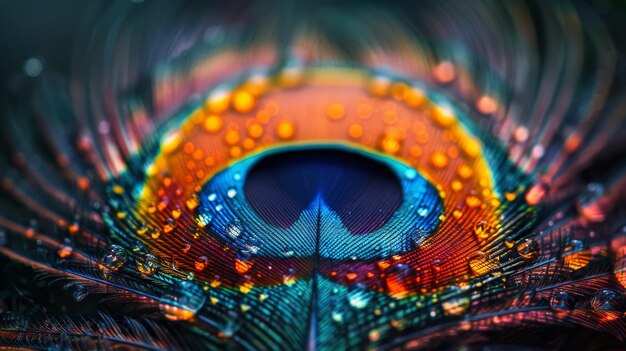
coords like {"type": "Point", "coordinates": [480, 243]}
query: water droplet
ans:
{"type": "Point", "coordinates": [397, 280]}
{"type": "Point", "coordinates": [155, 233]}
{"type": "Point", "coordinates": [528, 249]}
{"type": "Point", "coordinates": [229, 327]}
{"type": "Point", "coordinates": [137, 245]}
{"type": "Point", "coordinates": [359, 297]}
{"type": "Point", "coordinates": [263, 297]}
{"type": "Point", "coordinates": [337, 317]}
{"type": "Point", "coordinates": [605, 300]}
{"type": "Point", "coordinates": [289, 278]}
{"type": "Point", "coordinates": [464, 172]}
{"type": "Point", "coordinates": [480, 263]}
{"type": "Point", "coordinates": [252, 246]}
{"type": "Point", "coordinates": [79, 293]}
{"type": "Point", "coordinates": [472, 201]}
{"type": "Point", "coordinates": [243, 262]}
{"type": "Point", "coordinates": [201, 263]}
{"type": "Point", "coordinates": [374, 335]}
{"type": "Point", "coordinates": [192, 203]}
{"type": "Point", "coordinates": [288, 252]}
{"type": "Point", "coordinates": [482, 229]}
{"type": "Point", "coordinates": [147, 264]}
{"type": "Point", "coordinates": [562, 301]}
{"type": "Point", "coordinates": [168, 227]}
{"type": "Point", "coordinates": [73, 228]}
{"type": "Point", "coordinates": [114, 258]}
{"type": "Point", "coordinates": [244, 308]}
{"type": "Point", "coordinates": [285, 129]}
{"type": "Point", "coordinates": [418, 236]}
{"type": "Point", "coordinates": [437, 262]}
{"type": "Point", "coordinates": [439, 160]}
{"type": "Point", "coordinates": [422, 211]}
{"type": "Point", "coordinates": [390, 145]}
{"type": "Point", "coordinates": [510, 195]}
{"type": "Point", "coordinates": [509, 241]}
{"type": "Point", "coordinates": [234, 229]}
{"type": "Point", "coordinates": [455, 306]}
{"type": "Point", "coordinates": [203, 219]}
{"type": "Point", "coordinates": [183, 302]}
{"type": "Point", "coordinates": [410, 173]}
{"type": "Point", "coordinates": [212, 197]}
{"type": "Point", "coordinates": [216, 281]}
{"type": "Point", "coordinates": [576, 246]}
{"type": "Point", "coordinates": [177, 212]}
{"type": "Point", "coordinates": [575, 256]}
{"type": "Point", "coordinates": [231, 193]}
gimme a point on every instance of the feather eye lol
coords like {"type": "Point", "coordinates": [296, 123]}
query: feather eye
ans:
{"type": "Point", "coordinates": [414, 179]}
{"type": "Point", "coordinates": [336, 218]}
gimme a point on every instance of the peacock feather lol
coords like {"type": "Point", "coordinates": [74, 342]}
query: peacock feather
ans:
{"type": "Point", "coordinates": [276, 175]}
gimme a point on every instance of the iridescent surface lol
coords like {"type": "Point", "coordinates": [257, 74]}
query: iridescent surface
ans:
{"type": "Point", "coordinates": [441, 179]}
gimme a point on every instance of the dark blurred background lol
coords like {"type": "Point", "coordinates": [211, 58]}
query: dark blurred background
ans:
{"type": "Point", "coordinates": [37, 35]}
{"type": "Point", "coordinates": [42, 30]}
{"type": "Point", "coordinates": [46, 31]}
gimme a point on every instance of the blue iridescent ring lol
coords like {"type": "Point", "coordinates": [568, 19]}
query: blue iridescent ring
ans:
{"type": "Point", "coordinates": [246, 216]}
